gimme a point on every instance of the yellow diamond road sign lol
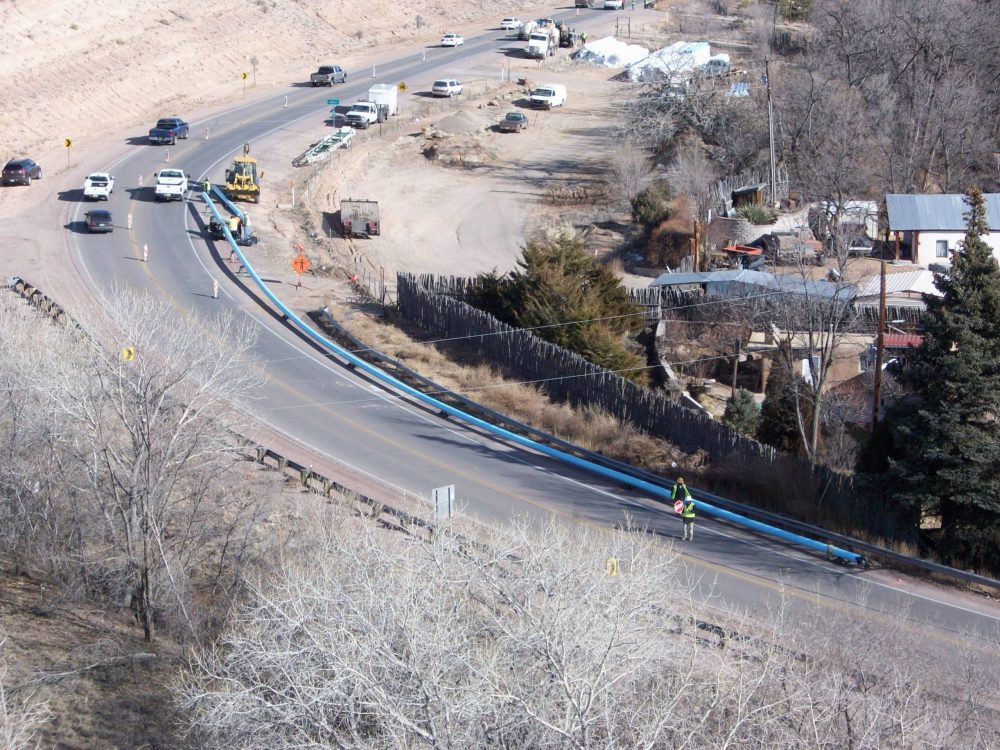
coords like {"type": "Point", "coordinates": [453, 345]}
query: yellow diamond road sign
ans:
{"type": "Point", "coordinates": [128, 353]}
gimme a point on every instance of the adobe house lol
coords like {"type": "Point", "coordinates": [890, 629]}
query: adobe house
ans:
{"type": "Point", "coordinates": [927, 229]}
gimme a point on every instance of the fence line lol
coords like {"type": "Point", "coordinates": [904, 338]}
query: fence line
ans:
{"type": "Point", "coordinates": [434, 304]}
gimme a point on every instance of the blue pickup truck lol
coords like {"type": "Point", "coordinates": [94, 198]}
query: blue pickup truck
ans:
{"type": "Point", "coordinates": [168, 130]}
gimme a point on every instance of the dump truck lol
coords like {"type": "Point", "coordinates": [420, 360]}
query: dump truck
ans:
{"type": "Point", "coordinates": [243, 178]}
{"type": "Point", "coordinates": [359, 218]}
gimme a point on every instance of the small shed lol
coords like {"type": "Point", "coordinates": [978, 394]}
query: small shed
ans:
{"type": "Point", "coordinates": [749, 195]}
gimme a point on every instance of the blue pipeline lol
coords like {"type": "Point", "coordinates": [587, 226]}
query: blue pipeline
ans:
{"type": "Point", "coordinates": [233, 209]}
{"type": "Point", "coordinates": [653, 489]}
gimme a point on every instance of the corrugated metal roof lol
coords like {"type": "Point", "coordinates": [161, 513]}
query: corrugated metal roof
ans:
{"type": "Point", "coordinates": [680, 279]}
{"type": "Point", "coordinates": [928, 213]}
{"type": "Point", "coordinates": [784, 282]}
{"type": "Point", "coordinates": [920, 281]}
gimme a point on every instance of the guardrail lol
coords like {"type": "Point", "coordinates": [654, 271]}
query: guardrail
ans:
{"type": "Point", "coordinates": [657, 490]}
{"type": "Point", "coordinates": [772, 519]}
{"type": "Point", "coordinates": [624, 471]}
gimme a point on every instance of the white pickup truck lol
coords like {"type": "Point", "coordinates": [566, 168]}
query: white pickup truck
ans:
{"type": "Point", "coordinates": [171, 184]}
{"type": "Point", "coordinates": [98, 186]}
{"type": "Point", "coordinates": [363, 114]}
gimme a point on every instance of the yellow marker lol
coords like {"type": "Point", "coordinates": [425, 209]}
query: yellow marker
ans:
{"type": "Point", "coordinates": [243, 76]}
{"type": "Point", "coordinates": [611, 566]}
{"type": "Point", "coordinates": [402, 86]}
{"type": "Point", "coordinates": [128, 353]}
{"type": "Point", "coordinates": [68, 142]}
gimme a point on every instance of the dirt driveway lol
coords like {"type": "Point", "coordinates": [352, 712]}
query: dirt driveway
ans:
{"type": "Point", "coordinates": [455, 195]}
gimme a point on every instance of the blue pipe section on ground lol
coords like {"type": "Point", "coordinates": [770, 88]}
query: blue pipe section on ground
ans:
{"type": "Point", "coordinates": [653, 489]}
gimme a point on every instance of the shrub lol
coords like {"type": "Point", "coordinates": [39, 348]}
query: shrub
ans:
{"type": "Point", "coordinates": [649, 208]}
{"type": "Point", "coordinates": [742, 412]}
{"type": "Point", "coordinates": [757, 214]}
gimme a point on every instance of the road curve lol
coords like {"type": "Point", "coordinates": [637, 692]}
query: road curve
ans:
{"type": "Point", "coordinates": [341, 414]}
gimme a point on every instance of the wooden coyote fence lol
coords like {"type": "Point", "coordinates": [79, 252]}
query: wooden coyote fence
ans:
{"type": "Point", "coordinates": [433, 304]}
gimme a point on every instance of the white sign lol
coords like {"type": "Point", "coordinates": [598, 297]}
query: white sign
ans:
{"type": "Point", "coordinates": [444, 500]}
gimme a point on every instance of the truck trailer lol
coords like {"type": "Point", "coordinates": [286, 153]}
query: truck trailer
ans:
{"type": "Point", "coordinates": [359, 218]}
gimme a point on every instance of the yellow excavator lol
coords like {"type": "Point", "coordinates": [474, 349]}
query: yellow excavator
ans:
{"type": "Point", "coordinates": [243, 178]}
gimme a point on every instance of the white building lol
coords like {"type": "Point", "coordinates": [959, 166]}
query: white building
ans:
{"type": "Point", "coordinates": [927, 229]}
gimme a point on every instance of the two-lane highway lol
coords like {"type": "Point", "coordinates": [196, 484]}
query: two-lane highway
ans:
{"type": "Point", "coordinates": [339, 413]}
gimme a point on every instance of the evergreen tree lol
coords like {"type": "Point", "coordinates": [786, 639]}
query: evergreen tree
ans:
{"type": "Point", "coordinates": [778, 421]}
{"type": "Point", "coordinates": [742, 412]}
{"type": "Point", "coordinates": [569, 300]}
{"type": "Point", "coordinates": [947, 444]}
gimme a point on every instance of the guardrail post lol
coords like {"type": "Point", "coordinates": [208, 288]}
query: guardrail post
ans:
{"type": "Point", "coordinates": [327, 485]}
{"type": "Point", "coordinates": [261, 454]}
{"type": "Point", "coordinates": [282, 463]}
{"type": "Point", "coordinates": [304, 475]}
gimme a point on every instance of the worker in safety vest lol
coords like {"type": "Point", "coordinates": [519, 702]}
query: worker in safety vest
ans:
{"type": "Point", "coordinates": [206, 186]}
{"type": "Point", "coordinates": [687, 508]}
{"type": "Point", "coordinates": [234, 225]}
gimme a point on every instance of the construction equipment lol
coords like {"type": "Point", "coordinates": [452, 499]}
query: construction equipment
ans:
{"type": "Point", "coordinates": [243, 178]}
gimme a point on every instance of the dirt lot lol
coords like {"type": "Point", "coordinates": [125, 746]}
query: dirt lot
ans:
{"type": "Point", "coordinates": [455, 195]}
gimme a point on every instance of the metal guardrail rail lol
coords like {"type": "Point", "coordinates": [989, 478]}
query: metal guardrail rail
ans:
{"type": "Point", "coordinates": [632, 477]}
{"type": "Point", "coordinates": [655, 489]}
{"type": "Point", "coordinates": [325, 319]}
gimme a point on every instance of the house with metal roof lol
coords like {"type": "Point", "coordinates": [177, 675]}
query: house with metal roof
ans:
{"type": "Point", "coordinates": [902, 289]}
{"type": "Point", "coordinates": [927, 229]}
{"type": "Point", "coordinates": [746, 283]}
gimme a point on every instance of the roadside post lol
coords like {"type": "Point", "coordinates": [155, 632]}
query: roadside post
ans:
{"type": "Point", "coordinates": [68, 143]}
{"type": "Point", "coordinates": [444, 501]}
{"type": "Point", "coordinates": [300, 264]}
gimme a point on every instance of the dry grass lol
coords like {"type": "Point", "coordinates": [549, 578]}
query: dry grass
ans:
{"type": "Point", "coordinates": [458, 370]}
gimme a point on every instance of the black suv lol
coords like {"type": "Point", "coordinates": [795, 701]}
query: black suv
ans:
{"type": "Point", "coordinates": [21, 172]}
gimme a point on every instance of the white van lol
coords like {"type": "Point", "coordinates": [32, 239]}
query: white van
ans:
{"type": "Point", "coordinates": [548, 95]}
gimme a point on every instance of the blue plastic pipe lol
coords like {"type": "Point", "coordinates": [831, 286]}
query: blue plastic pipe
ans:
{"type": "Point", "coordinates": [653, 489]}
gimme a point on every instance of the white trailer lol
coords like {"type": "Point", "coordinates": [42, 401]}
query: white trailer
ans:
{"type": "Point", "coordinates": [385, 94]}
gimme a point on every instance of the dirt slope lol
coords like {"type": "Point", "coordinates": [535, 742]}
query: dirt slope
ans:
{"type": "Point", "coordinates": [77, 70]}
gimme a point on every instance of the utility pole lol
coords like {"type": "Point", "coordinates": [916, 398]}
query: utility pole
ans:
{"type": "Point", "coordinates": [770, 135]}
{"type": "Point", "coordinates": [736, 364]}
{"type": "Point", "coordinates": [879, 351]}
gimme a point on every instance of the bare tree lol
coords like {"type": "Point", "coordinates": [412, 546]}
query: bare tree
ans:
{"type": "Point", "coordinates": [630, 171]}
{"type": "Point", "coordinates": [553, 637]}
{"type": "Point", "coordinates": [127, 473]}
{"type": "Point", "coordinates": [19, 717]}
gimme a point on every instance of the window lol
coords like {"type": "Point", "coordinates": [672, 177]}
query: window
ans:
{"type": "Point", "coordinates": [941, 249]}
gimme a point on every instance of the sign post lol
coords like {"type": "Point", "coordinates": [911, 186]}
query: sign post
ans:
{"type": "Point", "coordinates": [68, 143]}
{"type": "Point", "coordinates": [300, 264]}
{"type": "Point", "coordinates": [444, 501]}
{"type": "Point", "coordinates": [243, 77]}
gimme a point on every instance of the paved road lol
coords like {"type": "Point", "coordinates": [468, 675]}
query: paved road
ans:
{"type": "Point", "coordinates": [340, 413]}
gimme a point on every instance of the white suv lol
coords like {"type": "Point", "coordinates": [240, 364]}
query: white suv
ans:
{"type": "Point", "coordinates": [446, 87]}
{"type": "Point", "coordinates": [452, 40]}
{"type": "Point", "coordinates": [510, 23]}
